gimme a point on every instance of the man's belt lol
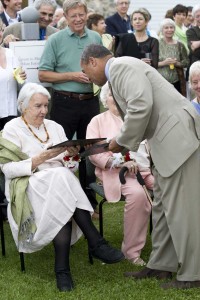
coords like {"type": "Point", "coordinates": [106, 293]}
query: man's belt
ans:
{"type": "Point", "coordinates": [76, 95]}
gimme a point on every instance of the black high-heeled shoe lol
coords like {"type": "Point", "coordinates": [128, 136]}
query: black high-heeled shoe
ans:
{"type": "Point", "coordinates": [64, 281]}
{"type": "Point", "coordinates": [106, 253]}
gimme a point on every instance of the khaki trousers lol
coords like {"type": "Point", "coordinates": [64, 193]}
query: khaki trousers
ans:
{"type": "Point", "coordinates": [176, 221]}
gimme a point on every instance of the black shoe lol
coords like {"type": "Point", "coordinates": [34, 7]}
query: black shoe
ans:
{"type": "Point", "coordinates": [106, 253]}
{"type": "Point", "coordinates": [64, 281]}
{"type": "Point", "coordinates": [149, 273]}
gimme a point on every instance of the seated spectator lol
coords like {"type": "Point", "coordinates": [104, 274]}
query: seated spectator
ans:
{"type": "Point", "coordinates": [120, 21]}
{"type": "Point", "coordinates": [193, 36]}
{"type": "Point", "coordinates": [108, 164]}
{"type": "Point", "coordinates": [179, 15]}
{"type": "Point", "coordinates": [194, 79]}
{"type": "Point", "coordinates": [139, 44]}
{"type": "Point", "coordinates": [172, 54]}
{"type": "Point", "coordinates": [97, 23]}
{"type": "Point", "coordinates": [48, 195]}
{"type": "Point", "coordinates": [46, 9]}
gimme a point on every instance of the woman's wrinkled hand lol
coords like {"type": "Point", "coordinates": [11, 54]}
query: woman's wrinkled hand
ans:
{"type": "Point", "coordinates": [131, 165]}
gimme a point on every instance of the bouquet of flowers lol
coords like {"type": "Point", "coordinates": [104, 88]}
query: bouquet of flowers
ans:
{"type": "Point", "coordinates": [72, 162]}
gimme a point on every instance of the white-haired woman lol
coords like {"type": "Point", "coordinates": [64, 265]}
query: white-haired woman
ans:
{"type": "Point", "coordinates": [137, 208]}
{"type": "Point", "coordinates": [172, 54]}
{"type": "Point", "coordinates": [51, 197]}
{"type": "Point", "coordinates": [193, 35]}
{"type": "Point", "coordinates": [194, 79]}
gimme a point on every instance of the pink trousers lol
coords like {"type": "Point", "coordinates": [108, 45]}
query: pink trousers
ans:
{"type": "Point", "coordinates": [136, 214]}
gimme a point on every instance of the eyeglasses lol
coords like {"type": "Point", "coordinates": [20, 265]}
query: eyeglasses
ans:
{"type": "Point", "coordinates": [76, 16]}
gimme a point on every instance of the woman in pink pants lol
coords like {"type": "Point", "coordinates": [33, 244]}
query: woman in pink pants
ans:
{"type": "Point", "coordinates": [137, 207]}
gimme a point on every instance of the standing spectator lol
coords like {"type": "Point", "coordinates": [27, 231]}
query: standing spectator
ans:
{"type": "Point", "coordinates": [57, 16]}
{"type": "Point", "coordinates": [97, 23]}
{"type": "Point", "coordinates": [172, 54]}
{"type": "Point", "coordinates": [74, 103]}
{"type": "Point", "coordinates": [180, 14]}
{"type": "Point", "coordinates": [120, 21]}
{"type": "Point", "coordinates": [46, 9]}
{"type": "Point", "coordinates": [10, 15]}
{"type": "Point", "coordinates": [189, 21]}
{"type": "Point", "coordinates": [193, 36]}
{"type": "Point", "coordinates": [139, 44]}
{"type": "Point", "coordinates": [8, 96]}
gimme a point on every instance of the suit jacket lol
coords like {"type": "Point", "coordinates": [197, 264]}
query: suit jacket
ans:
{"type": "Point", "coordinates": [3, 18]}
{"type": "Point", "coordinates": [116, 25]}
{"type": "Point", "coordinates": [15, 29]}
{"type": "Point", "coordinates": [193, 34]}
{"type": "Point", "coordinates": [5, 21]}
{"type": "Point", "coordinates": [153, 110]}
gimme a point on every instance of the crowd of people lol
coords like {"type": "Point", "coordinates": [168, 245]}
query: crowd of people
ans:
{"type": "Point", "coordinates": [144, 80]}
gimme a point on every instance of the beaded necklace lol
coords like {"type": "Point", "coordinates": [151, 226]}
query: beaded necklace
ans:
{"type": "Point", "coordinates": [47, 134]}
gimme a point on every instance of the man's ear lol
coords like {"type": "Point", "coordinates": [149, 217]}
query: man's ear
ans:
{"type": "Point", "coordinates": [93, 61]}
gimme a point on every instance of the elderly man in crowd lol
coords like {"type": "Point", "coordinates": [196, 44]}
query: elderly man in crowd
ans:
{"type": "Point", "coordinates": [46, 9]}
{"type": "Point", "coordinates": [10, 14]}
{"type": "Point", "coordinates": [120, 21]}
{"type": "Point", "coordinates": [154, 110]}
{"type": "Point", "coordinates": [74, 103]}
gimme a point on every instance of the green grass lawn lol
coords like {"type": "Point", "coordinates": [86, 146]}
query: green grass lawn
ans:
{"type": "Point", "coordinates": [93, 282]}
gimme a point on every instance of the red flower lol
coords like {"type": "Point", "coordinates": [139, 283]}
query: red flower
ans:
{"type": "Point", "coordinates": [66, 158]}
{"type": "Point", "coordinates": [127, 157]}
{"type": "Point", "coordinates": [76, 157]}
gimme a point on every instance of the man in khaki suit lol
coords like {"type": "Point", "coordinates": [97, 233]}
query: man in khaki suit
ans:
{"type": "Point", "coordinates": [152, 109]}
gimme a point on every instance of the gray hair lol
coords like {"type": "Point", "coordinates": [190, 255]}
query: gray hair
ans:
{"type": "Point", "coordinates": [27, 91]}
{"type": "Point", "coordinates": [167, 21]}
{"type": "Point", "coordinates": [94, 50]}
{"type": "Point", "coordinates": [195, 9]}
{"type": "Point", "coordinates": [39, 3]}
{"type": "Point", "coordinates": [194, 69]}
{"type": "Point", "coordinates": [104, 94]}
{"type": "Point", "coordinates": [68, 4]}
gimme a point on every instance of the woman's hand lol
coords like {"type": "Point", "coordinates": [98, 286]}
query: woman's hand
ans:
{"type": "Point", "coordinates": [46, 155]}
{"type": "Point", "coordinates": [131, 165]}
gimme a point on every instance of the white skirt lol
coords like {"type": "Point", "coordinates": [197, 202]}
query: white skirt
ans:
{"type": "Point", "coordinates": [54, 193]}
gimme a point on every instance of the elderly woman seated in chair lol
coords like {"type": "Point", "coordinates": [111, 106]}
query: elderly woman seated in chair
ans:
{"type": "Point", "coordinates": [137, 207]}
{"type": "Point", "coordinates": [46, 201]}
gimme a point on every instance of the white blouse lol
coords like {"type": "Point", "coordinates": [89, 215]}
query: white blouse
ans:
{"type": "Point", "coordinates": [8, 94]}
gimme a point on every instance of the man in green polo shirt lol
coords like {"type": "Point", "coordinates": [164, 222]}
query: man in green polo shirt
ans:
{"type": "Point", "coordinates": [74, 103]}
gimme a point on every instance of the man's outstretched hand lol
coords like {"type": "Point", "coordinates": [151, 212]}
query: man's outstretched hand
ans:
{"type": "Point", "coordinates": [114, 147]}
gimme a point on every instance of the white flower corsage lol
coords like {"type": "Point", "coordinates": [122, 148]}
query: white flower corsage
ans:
{"type": "Point", "coordinates": [118, 159]}
{"type": "Point", "coordinates": [72, 162]}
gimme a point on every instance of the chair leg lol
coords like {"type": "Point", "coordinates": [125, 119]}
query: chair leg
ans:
{"type": "Point", "coordinates": [22, 263]}
{"type": "Point", "coordinates": [3, 249]}
{"type": "Point", "coordinates": [101, 216]}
